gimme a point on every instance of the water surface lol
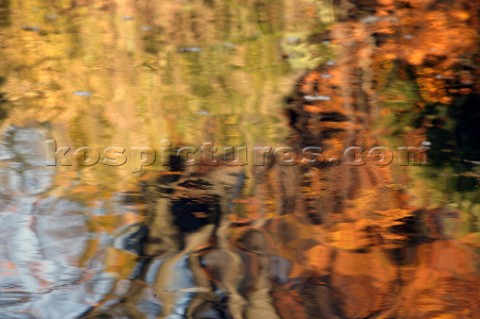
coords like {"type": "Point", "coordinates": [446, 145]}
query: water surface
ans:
{"type": "Point", "coordinates": [107, 232]}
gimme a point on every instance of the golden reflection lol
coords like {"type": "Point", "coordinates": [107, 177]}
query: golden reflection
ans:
{"type": "Point", "coordinates": [154, 237]}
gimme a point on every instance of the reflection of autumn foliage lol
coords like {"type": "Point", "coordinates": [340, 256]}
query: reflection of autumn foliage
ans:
{"type": "Point", "coordinates": [444, 284]}
{"type": "Point", "coordinates": [376, 252]}
{"type": "Point", "coordinates": [435, 38]}
{"type": "Point", "coordinates": [416, 30]}
{"type": "Point", "coordinates": [433, 43]}
{"type": "Point", "coordinates": [327, 241]}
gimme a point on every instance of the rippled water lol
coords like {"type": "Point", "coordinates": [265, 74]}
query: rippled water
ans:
{"type": "Point", "coordinates": [106, 105]}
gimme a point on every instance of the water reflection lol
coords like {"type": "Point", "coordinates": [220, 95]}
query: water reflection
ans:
{"type": "Point", "coordinates": [239, 241]}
